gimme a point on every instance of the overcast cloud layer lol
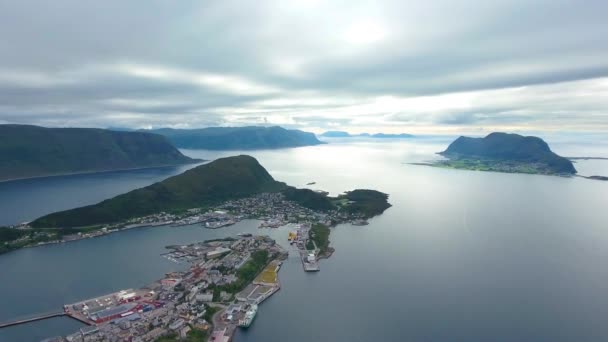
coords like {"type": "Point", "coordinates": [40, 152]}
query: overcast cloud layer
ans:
{"type": "Point", "coordinates": [392, 66]}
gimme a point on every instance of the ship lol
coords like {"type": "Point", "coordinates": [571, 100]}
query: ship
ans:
{"type": "Point", "coordinates": [245, 322]}
{"type": "Point", "coordinates": [218, 224]}
{"type": "Point", "coordinates": [292, 237]}
{"type": "Point", "coordinates": [360, 223]}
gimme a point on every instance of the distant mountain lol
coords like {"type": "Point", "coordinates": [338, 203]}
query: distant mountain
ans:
{"type": "Point", "coordinates": [391, 136]}
{"type": "Point", "coordinates": [120, 129]}
{"type": "Point", "coordinates": [208, 184]}
{"type": "Point", "coordinates": [336, 134]}
{"type": "Point", "coordinates": [507, 152]}
{"type": "Point", "coordinates": [238, 138]}
{"type": "Point", "coordinates": [343, 134]}
{"type": "Point", "coordinates": [32, 151]}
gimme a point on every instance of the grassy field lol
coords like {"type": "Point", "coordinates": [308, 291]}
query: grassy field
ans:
{"type": "Point", "coordinates": [268, 275]}
{"type": "Point", "coordinates": [319, 233]}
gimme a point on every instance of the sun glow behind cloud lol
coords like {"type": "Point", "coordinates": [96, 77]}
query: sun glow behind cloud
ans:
{"type": "Point", "coordinates": [360, 66]}
{"type": "Point", "coordinates": [365, 32]}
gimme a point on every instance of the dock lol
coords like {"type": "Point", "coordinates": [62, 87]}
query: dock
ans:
{"type": "Point", "coordinates": [309, 261]}
{"type": "Point", "coordinates": [41, 317]}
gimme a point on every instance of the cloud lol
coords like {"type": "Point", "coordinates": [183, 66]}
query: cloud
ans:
{"type": "Point", "coordinates": [381, 66]}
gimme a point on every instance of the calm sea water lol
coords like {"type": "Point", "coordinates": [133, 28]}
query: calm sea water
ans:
{"type": "Point", "coordinates": [461, 256]}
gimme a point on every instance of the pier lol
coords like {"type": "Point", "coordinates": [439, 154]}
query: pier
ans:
{"type": "Point", "coordinates": [32, 319]}
{"type": "Point", "coordinates": [41, 317]}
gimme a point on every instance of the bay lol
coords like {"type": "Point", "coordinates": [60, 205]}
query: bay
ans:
{"type": "Point", "coordinates": [461, 255]}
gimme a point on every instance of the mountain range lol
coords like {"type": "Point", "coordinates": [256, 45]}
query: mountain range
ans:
{"type": "Point", "coordinates": [33, 151]}
{"type": "Point", "coordinates": [238, 138]}
{"type": "Point", "coordinates": [343, 134]}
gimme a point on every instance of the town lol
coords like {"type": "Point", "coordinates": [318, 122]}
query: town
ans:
{"type": "Point", "coordinates": [220, 291]}
{"type": "Point", "coordinates": [271, 208]}
{"type": "Point", "coordinates": [226, 281]}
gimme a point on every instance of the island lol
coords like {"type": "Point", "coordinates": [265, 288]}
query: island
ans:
{"type": "Point", "coordinates": [502, 152]}
{"type": "Point", "coordinates": [238, 138]}
{"type": "Point", "coordinates": [216, 194]}
{"type": "Point", "coordinates": [32, 151]}
{"type": "Point", "coordinates": [343, 134]}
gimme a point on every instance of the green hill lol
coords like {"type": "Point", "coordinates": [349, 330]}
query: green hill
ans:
{"type": "Point", "coordinates": [506, 152]}
{"type": "Point", "coordinates": [309, 199]}
{"type": "Point", "coordinates": [209, 184]}
{"type": "Point", "coordinates": [238, 138]}
{"type": "Point", "coordinates": [366, 203]}
{"type": "Point", "coordinates": [32, 151]}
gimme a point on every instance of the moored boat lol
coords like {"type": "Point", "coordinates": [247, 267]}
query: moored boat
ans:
{"type": "Point", "coordinates": [246, 321]}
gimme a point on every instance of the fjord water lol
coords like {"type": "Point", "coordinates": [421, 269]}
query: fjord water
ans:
{"type": "Point", "coordinates": [461, 255]}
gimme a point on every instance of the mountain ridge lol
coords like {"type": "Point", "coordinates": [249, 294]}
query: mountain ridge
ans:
{"type": "Point", "coordinates": [207, 184]}
{"type": "Point", "coordinates": [28, 151]}
{"type": "Point", "coordinates": [344, 134]}
{"type": "Point", "coordinates": [238, 138]}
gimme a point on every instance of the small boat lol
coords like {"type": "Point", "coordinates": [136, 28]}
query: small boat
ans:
{"type": "Point", "coordinates": [360, 223]}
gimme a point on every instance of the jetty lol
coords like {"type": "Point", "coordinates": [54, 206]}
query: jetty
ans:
{"type": "Point", "coordinates": [41, 317]}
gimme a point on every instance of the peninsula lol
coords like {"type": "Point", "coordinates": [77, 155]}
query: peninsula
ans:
{"type": "Point", "coordinates": [238, 187]}
{"type": "Point", "coordinates": [238, 138]}
{"type": "Point", "coordinates": [502, 152]}
{"type": "Point", "coordinates": [33, 151]}
{"type": "Point", "coordinates": [229, 277]}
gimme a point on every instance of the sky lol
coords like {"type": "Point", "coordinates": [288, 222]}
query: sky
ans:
{"type": "Point", "coordinates": [443, 66]}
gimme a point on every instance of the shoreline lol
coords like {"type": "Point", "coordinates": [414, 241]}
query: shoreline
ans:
{"type": "Point", "coordinates": [96, 234]}
{"type": "Point", "coordinates": [213, 277]}
{"type": "Point", "coordinates": [576, 175]}
{"type": "Point", "coordinates": [101, 171]}
{"type": "Point", "coordinates": [165, 299]}
{"type": "Point", "coordinates": [440, 166]}
{"type": "Point", "coordinates": [595, 177]}
{"type": "Point", "coordinates": [282, 211]}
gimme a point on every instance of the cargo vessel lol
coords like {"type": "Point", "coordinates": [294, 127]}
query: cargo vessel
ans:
{"type": "Point", "coordinates": [245, 322]}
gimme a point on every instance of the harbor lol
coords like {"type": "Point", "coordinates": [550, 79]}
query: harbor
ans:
{"type": "Point", "coordinates": [221, 290]}
{"type": "Point", "coordinates": [301, 238]}
{"type": "Point", "coordinates": [213, 295]}
{"type": "Point", "coordinates": [226, 281]}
